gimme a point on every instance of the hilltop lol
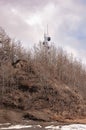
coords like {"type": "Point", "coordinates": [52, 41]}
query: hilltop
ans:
{"type": "Point", "coordinates": [43, 85]}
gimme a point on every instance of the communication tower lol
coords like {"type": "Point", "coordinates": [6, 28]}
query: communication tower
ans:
{"type": "Point", "coordinates": [47, 39]}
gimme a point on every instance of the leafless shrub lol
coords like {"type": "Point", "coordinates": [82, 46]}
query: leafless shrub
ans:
{"type": "Point", "coordinates": [49, 64]}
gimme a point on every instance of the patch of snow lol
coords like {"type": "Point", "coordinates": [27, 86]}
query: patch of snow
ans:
{"type": "Point", "coordinates": [39, 126]}
{"type": "Point", "coordinates": [20, 127]}
{"type": "Point", "coordinates": [5, 124]}
{"type": "Point", "coordinates": [67, 127]}
{"type": "Point", "coordinates": [16, 127]}
{"type": "Point", "coordinates": [74, 127]}
{"type": "Point", "coordinates": [52, 127]}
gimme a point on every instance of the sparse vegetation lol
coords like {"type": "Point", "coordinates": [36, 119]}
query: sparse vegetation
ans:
{"type": "Point", "coordinates": [45, 79]}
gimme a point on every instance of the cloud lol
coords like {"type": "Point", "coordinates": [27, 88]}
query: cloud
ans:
{"type": "Point", "coordinates": [27, 19]}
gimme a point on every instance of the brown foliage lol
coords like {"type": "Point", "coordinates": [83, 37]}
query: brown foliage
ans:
{"type": "Point", "coordinates": [43, 68]}
{"type": "Point", "coordinates": [48, 64]}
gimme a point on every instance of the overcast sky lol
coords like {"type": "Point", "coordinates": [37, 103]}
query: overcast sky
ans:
{"type": "Point", "coordinates": [26, 20]}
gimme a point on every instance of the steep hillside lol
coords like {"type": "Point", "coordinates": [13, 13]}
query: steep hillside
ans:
{"type": "Point", "coordinates": [41, 102]}
{"type": "Point", "coordinates": [45, 84]}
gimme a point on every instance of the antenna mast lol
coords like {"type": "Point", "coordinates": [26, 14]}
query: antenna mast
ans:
{"type": "Point", "coordinates": [46, 38]}
{"type": "Point", "coordinates": [47, 29]}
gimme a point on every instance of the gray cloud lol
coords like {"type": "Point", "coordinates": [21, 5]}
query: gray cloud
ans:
{"type": "Point", "coordinates": [27, 19]}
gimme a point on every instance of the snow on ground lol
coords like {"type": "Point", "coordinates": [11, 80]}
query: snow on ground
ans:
{"type": "Point", "coordinates": [5, 124]}
{"type": "Point", "coordinates": [67, 127]}
{"type": "Point", "coordinates": [16, 127]}
{"type": "Point", "coordinates": [19, 127]}
{"type": "Point", "coordinates": [51, 127]}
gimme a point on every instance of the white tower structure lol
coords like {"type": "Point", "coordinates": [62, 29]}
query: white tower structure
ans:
{"type": "Point", "coordinates": [47, 39]}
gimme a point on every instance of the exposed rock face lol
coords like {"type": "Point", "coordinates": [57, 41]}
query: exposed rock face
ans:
{"type": "Point", "coordinates": [44, 102]}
